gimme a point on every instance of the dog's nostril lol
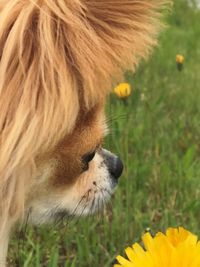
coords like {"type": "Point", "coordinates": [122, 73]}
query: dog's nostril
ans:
{"type": "Point", "coordinates": [116, 168]}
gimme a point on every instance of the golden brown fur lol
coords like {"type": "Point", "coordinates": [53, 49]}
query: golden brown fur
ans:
{"type": "Point", "coordinates": [57, 58]}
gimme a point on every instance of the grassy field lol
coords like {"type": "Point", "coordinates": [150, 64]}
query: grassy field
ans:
{"type": "Point", "coordinates": [157, 134]}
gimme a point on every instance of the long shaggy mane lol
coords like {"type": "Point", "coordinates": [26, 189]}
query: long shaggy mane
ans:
{"type": "Point", "coordinates": [56, 57]}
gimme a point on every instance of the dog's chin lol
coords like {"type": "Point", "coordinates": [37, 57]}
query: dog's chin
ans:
{"type": "Point", "coordinates": [93, 201]}
{"type": "Point", "coordinates": [88, 205]}
{"type": "Point", "coordinates": [88, 195]}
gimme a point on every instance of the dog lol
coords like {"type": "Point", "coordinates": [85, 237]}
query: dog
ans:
{"type": "Point", "coordinates": [58, 61]}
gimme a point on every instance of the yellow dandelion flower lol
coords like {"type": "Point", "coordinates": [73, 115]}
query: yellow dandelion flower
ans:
{"type": "Point", "coordinates": [123, 90]}
{"type": "Point", "coordinates": [180, 59]}
{"type": "Point", "coordinates": [177, 248]}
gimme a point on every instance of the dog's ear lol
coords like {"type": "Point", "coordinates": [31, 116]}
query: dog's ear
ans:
{"type": "Point", "coordinates": [97, 39]}
{"type": "Point", "coordinates": [114, 36]}
{"type": "Point", "coordinates": [105, 37]}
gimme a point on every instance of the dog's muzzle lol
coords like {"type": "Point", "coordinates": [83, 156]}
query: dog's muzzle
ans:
{"type": "Point", "coordinates": [114, 164]}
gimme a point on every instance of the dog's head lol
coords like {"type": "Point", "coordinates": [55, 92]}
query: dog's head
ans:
{"type": "Point", "coordinates": [57, 63]}
{"type": "Point", "coordinates": [78, 176]}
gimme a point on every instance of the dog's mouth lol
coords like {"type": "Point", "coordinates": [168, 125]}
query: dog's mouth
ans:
{"type": "Point", "coordinates": [101, 190]}
{"type": "Point", "coordinates": [110, 168]}
{"type": "Point", "coordinates": [87, 196]}
{"type": "Point", "coordinates": [93, 201]}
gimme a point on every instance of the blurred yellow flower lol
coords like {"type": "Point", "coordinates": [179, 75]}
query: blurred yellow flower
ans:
{"type": "Point", "coordinates": [123, 90]}
{"type": "Point", "coordinates": [177, 248]}
{"type": "Point", "coordinates": [180, 59]}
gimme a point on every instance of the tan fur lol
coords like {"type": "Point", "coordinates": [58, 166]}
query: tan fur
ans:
{"type": "Point", "coordinates": [64, 165]}
{"type": "Point", "coordinates": [57, 58]}
{"type": "Point", "coordinates": [86, 137]}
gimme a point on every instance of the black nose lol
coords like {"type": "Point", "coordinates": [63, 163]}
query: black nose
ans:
{"type": "Point", "coordinates": [116, 167]}
{"type": "Point", "coordinates": [114, 164]}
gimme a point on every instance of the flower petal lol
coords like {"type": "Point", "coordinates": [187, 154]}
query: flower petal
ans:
{"type": "Point", "coordinates": [124, 262]}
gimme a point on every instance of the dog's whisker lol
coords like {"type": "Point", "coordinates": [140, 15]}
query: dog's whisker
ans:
{"type": "Point", "coordinates": [73, 214]}
{"type": "Point", "coordinates": [113, 119]}
{"type": "Point", "coordinates": [81, 213]}
{"type": "Point", "coordinates": [104, 189]}
{"type": "Point", "coordinates": [98, 206]}
{"type": "Point", "coordinates": [79, 203]}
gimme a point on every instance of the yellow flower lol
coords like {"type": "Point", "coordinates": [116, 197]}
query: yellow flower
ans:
{"type": "Point", "coordinates": [123, 90]}
{"type": "Point", "coordinates": [180, 59]}
{"type": "Point", "coordinates": [177, 248]}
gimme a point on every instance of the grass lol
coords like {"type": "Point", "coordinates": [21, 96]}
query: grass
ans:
{"type": "Point", "coordinates": [157, 135]}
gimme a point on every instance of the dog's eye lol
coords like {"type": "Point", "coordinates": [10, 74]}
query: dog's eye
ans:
{"type": "Point", "coordinates": [86, 159]}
